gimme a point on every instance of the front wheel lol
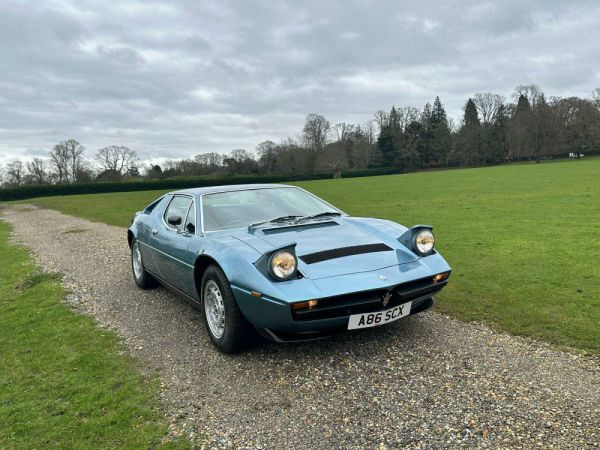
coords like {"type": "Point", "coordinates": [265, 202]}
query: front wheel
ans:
{"type": "Point", "coordinates": [142, 278]}
{"type": "Point", "coordinates": [226, 326]}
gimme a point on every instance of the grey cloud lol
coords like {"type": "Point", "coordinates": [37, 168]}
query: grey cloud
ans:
{"type": "Point", "coordinates": [36, 152]}
{"type": "Point", "coordinates": [121, 54]}
{"type": "Point", "coordinates": [176, 78]}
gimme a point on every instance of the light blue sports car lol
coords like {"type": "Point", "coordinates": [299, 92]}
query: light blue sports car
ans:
{"type": "Point", "coordinates": [280, 261]}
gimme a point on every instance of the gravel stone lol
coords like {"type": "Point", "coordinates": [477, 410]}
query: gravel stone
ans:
{"type": "Point", "coordinates": [423, 382]}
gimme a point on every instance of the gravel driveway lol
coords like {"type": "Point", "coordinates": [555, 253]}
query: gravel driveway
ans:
{"type": "Point", "coordinates": [423, 382]}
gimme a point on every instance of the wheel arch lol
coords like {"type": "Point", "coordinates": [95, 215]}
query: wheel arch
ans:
{"type": "Point", "coordinates": [130, 237]}
{"type": "Point", "coordinates": [200, 265]}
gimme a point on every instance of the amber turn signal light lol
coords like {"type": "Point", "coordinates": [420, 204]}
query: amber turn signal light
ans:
{"type": "Point", "coordinates": [441, 277]}
{"type": "Point", "coordinates": [304, 305]}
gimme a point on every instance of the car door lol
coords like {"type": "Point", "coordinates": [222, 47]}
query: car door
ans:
{"type": "Point", "coordinates": [150, 216]}
{"type": "Point", "coordinates": [170, 240]}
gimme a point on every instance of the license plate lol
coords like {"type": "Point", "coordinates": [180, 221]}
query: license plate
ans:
{"type": "Point", "coordinates": [375, 319]}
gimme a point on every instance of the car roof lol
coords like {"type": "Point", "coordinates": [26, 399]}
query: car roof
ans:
{"type": "Point", "coordinates": [228, 188]}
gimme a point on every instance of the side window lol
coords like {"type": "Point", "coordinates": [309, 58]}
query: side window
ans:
{"type": "Point", "coordinates": [177, 209]}
{"type": "Point", "coordinates": [191, 219]}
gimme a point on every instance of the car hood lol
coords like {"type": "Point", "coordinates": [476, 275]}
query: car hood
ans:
{"type": "Point", "coordinates": [337, 234]}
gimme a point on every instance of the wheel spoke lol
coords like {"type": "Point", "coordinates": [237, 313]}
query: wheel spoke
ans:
{"type": "Point", "coordinates": [214, 309]}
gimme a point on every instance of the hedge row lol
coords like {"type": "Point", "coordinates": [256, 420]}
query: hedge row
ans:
{"type": "Point", "coordinates": [26, 192]}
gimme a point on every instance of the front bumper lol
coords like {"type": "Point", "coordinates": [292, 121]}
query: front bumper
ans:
{"type": "Point", "coordinates": [284, 336]}
{"type": "Point", "coordinates": [277, 320]}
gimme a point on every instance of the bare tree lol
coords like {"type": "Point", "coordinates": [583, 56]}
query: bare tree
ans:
{"type": "Point", "coordinates": [214, 159]}
{"type": "Point", "coordinates": [531, 92]}
{"type": "Point", "coordinates": [117, 157]}
{"type": "Point", "coordinates": [452, 125]}
{"type": "Point", "coordinates": [368, 132]}
{"type": "Point", "coordinates": [37, 171]}
{"type": "Point", "coordinates": [381, 119]}
{"type": "Point", "coordinates": [240, 155]}
{"type": "Point", "coordinates": [66, 158]}
{"type": "Point", "coordinates": [15, 171]}
{"type": "Point", "coordinates": [76, 163]}
{"type": "Point", "coordinates": [267, 155]}
{"type": "Point", "coordinates": [342, 131]}
{"type": "Point", "coordinates": [290, 157]}
{"type": "Point", "coordinates": [407, 115]}
{"type": "Point", "coordinates": [59, 160]}
{"type": "Point", "coordinates": [579, 123]}
{"type": "Point", "coordinates": [316, 129]}
{"type": "Point", "coordinates": [596, 97]}
{"type": "Point", "coordinates": [335, 157]}
{"type": "Point", "coordinates": [487, 105]}
{"type": "Point", "coordinates": [240, 161]}
{"type": "Point", "coordinates": [211, 160]}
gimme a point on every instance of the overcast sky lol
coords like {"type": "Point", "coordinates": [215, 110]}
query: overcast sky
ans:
{"type": "Point", "coordinates": [176, 78]}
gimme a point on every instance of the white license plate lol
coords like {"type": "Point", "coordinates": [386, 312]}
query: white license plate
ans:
{"type": "Point", "coordinates": [375, 319]}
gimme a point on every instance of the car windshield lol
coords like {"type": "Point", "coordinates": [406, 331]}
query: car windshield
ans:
{"type": "Point", "coordinates": [239, 209]}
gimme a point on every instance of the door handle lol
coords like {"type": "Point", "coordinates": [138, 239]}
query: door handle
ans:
{"type": "Point", "coordinates": [154, 231]}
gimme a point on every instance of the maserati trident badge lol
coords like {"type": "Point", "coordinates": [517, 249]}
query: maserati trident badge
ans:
{"type": "Point", "coordinates": [386, 299]}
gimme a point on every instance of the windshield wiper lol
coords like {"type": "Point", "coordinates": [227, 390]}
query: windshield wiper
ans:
{"type": "Point", "coordinates": [316, 216]}
{"type": "Point", "coordinates": [275, 220]}
{"type": "Point", "coordinates": [294, 218]}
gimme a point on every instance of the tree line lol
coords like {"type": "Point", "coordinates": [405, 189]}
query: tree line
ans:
{"type": "Point", "coordinates": [67, 163]}
{"type": "Point", "coordinates": [492, 130]}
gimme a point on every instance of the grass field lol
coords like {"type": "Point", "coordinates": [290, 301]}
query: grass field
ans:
{"type": "Point", "coordinates": [65, 383]}
{"type": "Point", "coordinates": [523, 240]}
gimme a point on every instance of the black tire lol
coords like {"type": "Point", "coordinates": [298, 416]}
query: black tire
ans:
{"type": "Point", "coordinates": [143, 279]}
{"type": "Point", "coordinates": [237, 330]}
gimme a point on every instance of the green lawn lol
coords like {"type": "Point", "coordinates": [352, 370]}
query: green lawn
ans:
{"type": "Point", "coordinates": [523, 240]}
{"type": "Point", "coordinates": [64, 383]}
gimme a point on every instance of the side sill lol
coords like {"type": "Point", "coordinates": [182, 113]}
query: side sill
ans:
{"type": "Point", "coordinates": [189, 298]}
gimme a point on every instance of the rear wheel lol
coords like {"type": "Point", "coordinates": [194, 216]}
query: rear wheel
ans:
{"type": "Point", "coordinates": [226, 326]}
{"type": "Point", "coordinates": [142, 278]}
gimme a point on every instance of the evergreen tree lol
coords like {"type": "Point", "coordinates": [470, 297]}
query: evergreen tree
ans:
{"type": "Point", "coordinates": [391, 141]}
{"type": "Point", "coordinates": [398, 138]}
{"type": "Point", "coordinates": [426, 152]}
{"type": "Point", "coordinates": [499, 136]}
{"type": "Point", "coordinates": [386, 147]}
{"type": "Point", "coordinates": [440, 135]}
{"type": "Point", "coordinates": [471, 135]}
{"type": "Point", "coordinates": [520, 136]}
{"type": "Point", "coordinates": [438, 113]}
{"type": "Point", "coordinates": [393, 119]}
{"type": "Point", "coordinates": [471, 117]}
{"type": "Point", "coordinates": [544, 129]}
{"type": "Point", "coordinates": [413, 149]}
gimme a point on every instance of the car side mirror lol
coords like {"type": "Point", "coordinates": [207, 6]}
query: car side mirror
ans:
{"type": "Point", "coordinates": [174, 220]}
{"type": "Point", "coordinates": [190, 228]}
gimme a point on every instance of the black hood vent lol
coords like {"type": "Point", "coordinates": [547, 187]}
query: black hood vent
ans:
{"type": "Point", "coordinates": [334, 253]}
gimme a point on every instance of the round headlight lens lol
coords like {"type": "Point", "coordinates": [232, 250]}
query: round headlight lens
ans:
{"type": "Point", "coordinates": [283, 264]}
{"type": "Point", "coordinates": [424, 241]}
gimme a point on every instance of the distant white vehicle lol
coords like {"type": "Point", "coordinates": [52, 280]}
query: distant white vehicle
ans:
{"type": "Point", "coordinates": [576, 155]}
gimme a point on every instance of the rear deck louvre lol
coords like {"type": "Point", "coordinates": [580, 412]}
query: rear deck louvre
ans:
{"type": "Point", "coordinates": [311, 258]}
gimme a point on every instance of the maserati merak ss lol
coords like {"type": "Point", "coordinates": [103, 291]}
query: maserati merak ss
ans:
{"type": "Point", "coordinates": [278, 260]}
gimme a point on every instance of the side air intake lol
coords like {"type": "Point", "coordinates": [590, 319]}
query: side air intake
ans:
{"type": "Point", "coordinates": [334, 253]}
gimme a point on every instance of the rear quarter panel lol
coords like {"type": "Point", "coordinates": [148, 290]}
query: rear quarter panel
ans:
{"type": "Point", "coordinates": [141, 229]}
